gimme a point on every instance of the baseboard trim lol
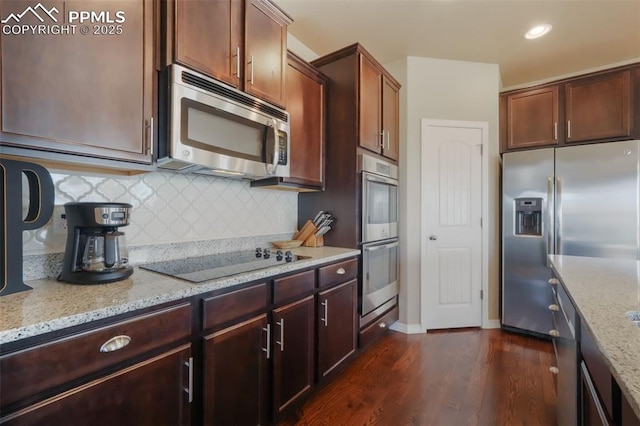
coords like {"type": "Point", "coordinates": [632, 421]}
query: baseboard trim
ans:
{"type": "Point", "coordinates": [406, 328]}
{"type": "Point", "coordinates": [491, 324]}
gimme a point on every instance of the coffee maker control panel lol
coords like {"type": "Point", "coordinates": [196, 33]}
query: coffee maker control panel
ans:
{"type": "Point", "coordinates": [112, 216]}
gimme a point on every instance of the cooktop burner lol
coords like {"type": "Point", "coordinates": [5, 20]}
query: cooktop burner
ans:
{"type": "Point", "coordinates": [204, 268]}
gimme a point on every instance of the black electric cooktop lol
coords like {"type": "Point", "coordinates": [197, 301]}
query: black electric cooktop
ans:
{"type": "Point", "coordinates": [205, 268]}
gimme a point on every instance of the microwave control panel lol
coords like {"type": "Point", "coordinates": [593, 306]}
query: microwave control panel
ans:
{"type": "Point", "coordinates": [282, 150]}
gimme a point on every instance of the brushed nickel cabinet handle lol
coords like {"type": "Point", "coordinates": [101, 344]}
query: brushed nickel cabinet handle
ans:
{"type": "Point", "coordinates": [325, 320]}
{"type": "Point", "coordinates": [553, 370]}
{"type": "Point", "coordinates": [251, 71]}
{"type": "Point", "coordinates": [554, 333]}
{"type": "Point", "coordinates": [553, 281]}
{"type": "Point", "coordinates": [189, 389]}
{"type": "Point", "coordinates": [115, 343]}
{"type": "Point", "coordinates": [382, 139]}
{"type": "Point", "coordinates": [341, 271]}
{"type": "Point", "coordinates": [555, 131]}
{"type": "Point", "coordinates": [281, 342]}
{"type": "Point", "coordinates": [568, 129]}
{"type": "Point", "coordinates": [149, 147]}
{"type": "Point", "coordinates": [237, 62]}
{"type": "Point", "coordinates": [268, 348]}
{"type": "Point", "coordinates": [554, 308]}
{"type": "Point", "coordinates": [382, 325]}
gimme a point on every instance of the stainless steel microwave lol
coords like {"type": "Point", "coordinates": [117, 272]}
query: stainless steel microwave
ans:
{"type": "Point", "coordinates": [214, 129]}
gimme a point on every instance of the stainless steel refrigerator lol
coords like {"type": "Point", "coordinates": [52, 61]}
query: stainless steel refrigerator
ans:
{"type": "Point", "coordinates": [578, 200]}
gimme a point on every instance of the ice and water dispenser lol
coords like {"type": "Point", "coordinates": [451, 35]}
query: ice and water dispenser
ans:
{"type": "Point", "coordinates": [528, 216]}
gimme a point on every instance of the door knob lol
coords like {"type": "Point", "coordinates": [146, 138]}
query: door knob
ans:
{"type": "Point", "coordinates": [433, 237]}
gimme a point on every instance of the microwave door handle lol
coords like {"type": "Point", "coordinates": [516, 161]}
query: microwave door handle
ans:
{"type": "Point", "coordinates": [276, 146]}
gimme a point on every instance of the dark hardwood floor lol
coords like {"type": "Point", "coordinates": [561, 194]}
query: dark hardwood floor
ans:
{"type": "Point", "coordinates": [452, 377]}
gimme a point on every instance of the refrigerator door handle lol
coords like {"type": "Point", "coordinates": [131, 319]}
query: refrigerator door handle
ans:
{"type": "Point", "coordinates": [558, 216]}
{"type": "Point", "coordinates": [550, 219]}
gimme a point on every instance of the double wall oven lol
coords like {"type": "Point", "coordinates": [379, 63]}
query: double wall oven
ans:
{"type": "Point", "coordinates": [379, 237]}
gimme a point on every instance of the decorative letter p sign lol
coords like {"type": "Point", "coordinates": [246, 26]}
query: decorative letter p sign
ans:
{"type": "Point", "coordinates": [39, 211]}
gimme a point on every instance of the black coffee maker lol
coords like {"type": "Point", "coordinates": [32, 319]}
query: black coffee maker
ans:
{"type": "Point", "coordinates": [96, 252]}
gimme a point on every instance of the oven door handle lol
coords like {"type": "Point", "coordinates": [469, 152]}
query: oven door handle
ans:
{"type": "Point", "coordinates": [385, 246]}
{"type": "Point", "coordinates": [375, 178]}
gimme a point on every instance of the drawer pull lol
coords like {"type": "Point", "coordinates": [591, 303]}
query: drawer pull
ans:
{"type": "Point", "coordinates": [554, 307]}
{"type": "Point", "coordinates": [553, 281]}
{"type": "Point", "coordinates": [115, 343]}
{"type": "Point", "coordinates": [382, 325]}
{"type": "Point", "coordinates": [553, 370]}
{"type": "Point", "coordinates": [341, 271]}
{"type": "Point", "coordinates": [554, 333]}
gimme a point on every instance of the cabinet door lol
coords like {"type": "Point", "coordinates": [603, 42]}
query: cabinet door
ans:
{"type": "Point", "coordinates": [293, 352]}
{"type": "Point", "coordinates": [370, 105]}
{"type": "Point", "coordinates": [305, 104]}
{"type": "Point", "coordinates": [390, 119]}
{"type": "Point", "coordinates": [266, 52]}
{"type": "Point", "coordinates": [80, 93]}
{"type": "Point", "coordinates": [532, 118]}
{"type": "Point", "coordinates": [599, 107]}
{"type": "Point", "coordinates": [208, 37]}
{"type": "Point", "coordinates": [337, 313]}
{"type": "Point", "coordinates": [152, 392]}
{"type": "Point", "coordinates": [593, 412]}
{"type": "Point", "coordinates": [235, 374]}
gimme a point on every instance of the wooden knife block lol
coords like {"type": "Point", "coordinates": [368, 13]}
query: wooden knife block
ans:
{"type": "Point", "coordinates": [314, 241]}
{"type": "Point", "coordinates": [307, 235]}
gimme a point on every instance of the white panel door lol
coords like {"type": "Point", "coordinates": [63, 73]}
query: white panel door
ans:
{"type": "Point", "coordinates": [451, 261]}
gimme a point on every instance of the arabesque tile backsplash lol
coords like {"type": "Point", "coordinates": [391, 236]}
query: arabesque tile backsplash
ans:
{"type": "Point", "coordinates": [171, 208]}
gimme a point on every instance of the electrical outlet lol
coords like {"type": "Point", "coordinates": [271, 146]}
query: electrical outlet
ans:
{"type": "Point", "coordinates": [59, 221]}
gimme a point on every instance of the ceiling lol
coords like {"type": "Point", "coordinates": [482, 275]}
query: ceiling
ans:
{"type": "Point", "coordinates": [586, 34]}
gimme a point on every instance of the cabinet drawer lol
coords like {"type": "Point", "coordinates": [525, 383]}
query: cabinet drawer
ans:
{"type": "Point", "coordinates": [293, 286]}
{"type": "Point", "coordinates": [377, 328]}
{"type": "Point", "coordinates": [37, 369]}
{"type": "Point", "coordinates": [337, 273]}
{"type": "Point", "coordinates": [226, 307]}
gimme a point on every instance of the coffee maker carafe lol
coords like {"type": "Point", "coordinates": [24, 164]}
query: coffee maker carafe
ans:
{"type": "Point", "coordinates": [96, 251]}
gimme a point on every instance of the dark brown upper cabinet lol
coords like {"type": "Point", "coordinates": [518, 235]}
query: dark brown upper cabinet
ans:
{"type": "Point", "coordinates": [391, 118]}
{"type": "Point", "coordinates": [241, 43]}
{"type": "Point", "coordinates": [306, 88]}
{"type": "Point", "coordinates": [597, 107]}
{"type": "Point", "coordinates": [80, 97]}
{"type": "Point", "coordinates": [208, 38]}
{"type": "Point", "coordinates": [532, 118]}
{"type": "Point", "coordinates": [375, 93]}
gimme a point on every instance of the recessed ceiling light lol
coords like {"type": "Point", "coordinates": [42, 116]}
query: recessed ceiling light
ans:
{"type": "Point", "coordinates": [538, 31]}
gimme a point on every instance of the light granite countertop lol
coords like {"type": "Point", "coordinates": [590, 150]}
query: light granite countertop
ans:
{"type": "Point", "coordinates": [603, 290]}
{"type": "Point", "coordinates": [52, 305]}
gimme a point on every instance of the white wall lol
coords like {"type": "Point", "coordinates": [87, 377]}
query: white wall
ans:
{"type": "Point", "coordinates": [450, 90]}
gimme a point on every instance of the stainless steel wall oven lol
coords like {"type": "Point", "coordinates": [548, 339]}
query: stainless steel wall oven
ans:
{"type": "Point", "coordinates": [379, 285]}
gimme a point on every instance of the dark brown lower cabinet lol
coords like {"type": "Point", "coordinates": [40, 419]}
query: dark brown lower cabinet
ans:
{"type": "Point", "coordinates": [337, 326]}
{"type": "Point", "coordinates": [293, 352]}
{"type": "Point", "coordinates": [235, 374]}
{"type": "Point", "coordinates": [627, 416]}
{"type": "Point", "coordinates": [152, 392]}
{"type": "Point", "coordinates": [593, 411]}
